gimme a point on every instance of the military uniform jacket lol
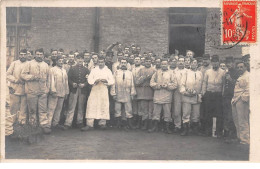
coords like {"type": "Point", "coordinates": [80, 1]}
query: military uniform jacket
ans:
{"type": "Point", "coordinates": [77, 74]}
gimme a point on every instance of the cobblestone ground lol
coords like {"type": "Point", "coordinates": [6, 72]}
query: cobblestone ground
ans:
{"type": "Point", "coordinates": [113, 144]}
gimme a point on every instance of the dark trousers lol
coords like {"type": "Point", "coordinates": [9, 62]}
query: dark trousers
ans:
{"type": "Point", "coordinates": [229, 125]}
{"type": "Point", "coordinates": [213, 108]}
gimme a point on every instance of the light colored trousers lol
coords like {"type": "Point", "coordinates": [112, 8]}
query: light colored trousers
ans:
{"type": "Point", "coordinates": [18, 104]}
{"type": "Point", "coordinates": [74, 99]}
{"type": "Point", "coordinates": [146, 109]}
{"type": "Point", "coordinates": [190, 112]}
{"type": "Point", "coordinates": [90, 122]}
{"type": "Point", "coordinates": [128, 109]}
{"type": "Point", "coordinates": [177, 99]}
{"type": "Point", "coordinates": [240, 113]}
{"type": "Point", "coordinates": [55, 104]}
{"type": "Point", "coordinates": [157, 108]}
{"type": "Point", "coordinates": [40, 102]}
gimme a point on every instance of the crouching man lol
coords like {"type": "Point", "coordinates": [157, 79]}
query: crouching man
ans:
{"type": "Point", "coordinates": [123, 92]}
{"type": "Point", "coordinates": [59, 89]}
{"type": "Point", "coordinates": [191, 97]}
{"type": "Point", "coordinates": [163, 82]}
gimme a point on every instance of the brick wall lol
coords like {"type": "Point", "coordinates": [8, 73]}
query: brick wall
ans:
{"type": "Point", "coordinates": [67, 28]}
{"type": "Point", "coordinates": [213, 36]}
{"type": "Point", "coordinates": [147, 27]}
{"type": "Point", "coordinates": [73, 28]}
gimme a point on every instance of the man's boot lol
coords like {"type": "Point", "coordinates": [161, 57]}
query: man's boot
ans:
{"type": "Point", "coordinates": [144, 127]}
{"type": "Point", "coordinates": [118, 122]}
{"type": "Point", "coordinates": [139, 122]}
{"type": "Point", "coordinates": [125, 126]}
{"type": "Point", "coordinates": [168, 130]}
{"type": "Point", "coordinates": [196, 128]}
{"type": "Point", "coordinates": [154, 126]}
{"type": "Point", "coordinates": [130, 123]}
{"type": "Point", "coordinates": [185, 129]}
{"type": "Point", "coordinates": [135, 119]}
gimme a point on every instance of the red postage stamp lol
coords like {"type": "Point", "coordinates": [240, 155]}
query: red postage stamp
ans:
{"type": "Point", "coordinates": [239, 22]}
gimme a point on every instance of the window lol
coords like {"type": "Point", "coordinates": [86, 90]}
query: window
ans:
{"type": "Point", "coordinates": [18, 21]}
{"type": "Point", "coordinates": [187, 30]}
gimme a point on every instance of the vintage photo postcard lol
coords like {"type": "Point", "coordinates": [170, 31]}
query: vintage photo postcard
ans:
{"type": "Point", "coordinates": [135, 81]}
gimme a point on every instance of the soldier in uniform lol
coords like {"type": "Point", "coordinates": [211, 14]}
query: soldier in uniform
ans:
{"type": "Point", "coordinates": [78, 85]}
{"type": "Point", "coordinates": [228, 93]}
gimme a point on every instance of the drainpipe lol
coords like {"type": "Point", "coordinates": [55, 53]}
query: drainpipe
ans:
{"type": "Point", "coordinates": [96, 29]}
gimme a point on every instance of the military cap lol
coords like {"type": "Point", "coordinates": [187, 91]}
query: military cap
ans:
{"type": "Point", "coordinates": [23, 51]}
{"type": "Point", "coordinates": [59, 57]}
{"type": "Point", "coordinates": [245, 57]}
{"type": "Point", "coordinates": [206, 56]}
{"type": "Point", "coordinates": [229, 59]}
{"type": "Point", "coordinates": [215, 58]}
{"type": "Point", "coordinates": [39, 50]}
{"type": "Point", "coordinates": [61, 50]}
{"type": "Point", "coordinates": [80, 56]}
{"type": "Point", "coordinates": [110, 53]}
{"type": "Point", "coordinates": [199, 59]}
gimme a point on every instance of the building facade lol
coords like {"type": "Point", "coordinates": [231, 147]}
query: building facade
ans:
{"type": "Point", "coordinates": [160, 30]}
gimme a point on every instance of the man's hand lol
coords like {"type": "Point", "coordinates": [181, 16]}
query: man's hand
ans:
{"type": "Point", "coordinates": [74, 85]}
{"type": "Point", "coordinates": [228, 77]}
{"type": "Point", "coordinates": [164, 86]}
{"type": "Point", "coordinates": [97, 81]}
{"type": "Point", "coordinates": [103, 80]}
{"type": "Point", "coordinates": [132, 97]}
{"type": "Point", "coordinates": [11, 90]}
{"type": "Point", "coordinates": [158, 87]}
{"type": "Point", "coordinates": [36, 78]}
{"type": "Point", "coordinates": [114, 97]}
{"type": "Point", "coordinates": [53, 93]}
{"type": "Point", "coordinates": [19, 81]}
{"type": "Point", "coordinates": [86, 76]}
{"type": "Point", "coordinates": [81, 85]}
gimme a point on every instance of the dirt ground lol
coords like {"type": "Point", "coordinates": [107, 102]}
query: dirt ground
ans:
{"type": "Point", "coordinates": [113, 144]}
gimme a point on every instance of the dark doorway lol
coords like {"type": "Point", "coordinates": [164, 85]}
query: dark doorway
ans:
{"type": "Point", "coordinates": [187, 30]}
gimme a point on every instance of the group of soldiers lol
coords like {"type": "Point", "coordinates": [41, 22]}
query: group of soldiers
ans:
{"type": "Point", "coordinates": [123, 88]}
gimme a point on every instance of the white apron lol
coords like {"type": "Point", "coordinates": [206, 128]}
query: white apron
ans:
{"type": "Point", "coordinates": [98, 103]}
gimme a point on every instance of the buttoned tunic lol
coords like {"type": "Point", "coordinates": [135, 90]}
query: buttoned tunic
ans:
{"type": "Point", "coordinates": [124, 86]}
